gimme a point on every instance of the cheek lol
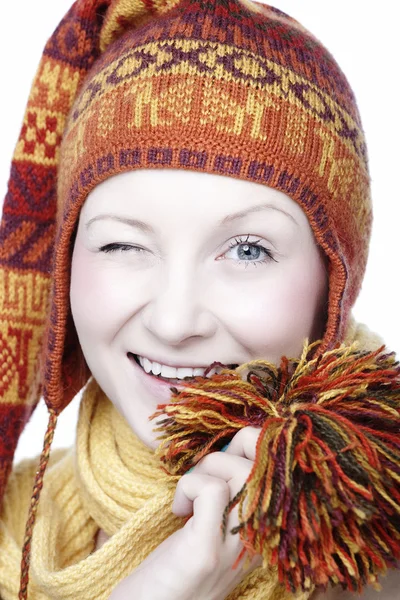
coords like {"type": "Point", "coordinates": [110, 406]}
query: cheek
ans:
{"type": "Point", "coordinates": [277, 313]}
{"type": "Point", "coordinates": [98, 296]}
{"type": "Point", "coordinates": [262, 313]}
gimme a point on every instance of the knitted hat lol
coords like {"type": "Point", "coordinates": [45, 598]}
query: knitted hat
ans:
{"type": "Point", "coordinates": [228, 86]}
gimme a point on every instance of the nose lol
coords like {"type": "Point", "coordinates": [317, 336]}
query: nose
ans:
{"type": "Point", "coordinates": [178, 309]}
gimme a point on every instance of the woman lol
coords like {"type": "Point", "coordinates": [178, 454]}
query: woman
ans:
{"type": "Point", "coordinates": [212, 207]}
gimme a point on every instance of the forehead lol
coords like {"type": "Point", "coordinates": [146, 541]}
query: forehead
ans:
{"type": "Point", "coordinates": [156, 192]}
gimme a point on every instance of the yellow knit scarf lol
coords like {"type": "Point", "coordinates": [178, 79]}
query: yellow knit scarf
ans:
{"type": "Point", "coordinates": [112, 481]}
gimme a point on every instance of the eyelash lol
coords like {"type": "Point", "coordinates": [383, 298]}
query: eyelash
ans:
{"type": "Point", "coordinates": [239, 241]}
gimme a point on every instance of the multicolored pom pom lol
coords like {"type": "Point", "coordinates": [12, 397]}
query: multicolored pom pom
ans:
{"type": "Point", "coordinates": [323, 499]}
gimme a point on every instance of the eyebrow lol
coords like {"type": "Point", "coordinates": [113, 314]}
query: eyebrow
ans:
{"type": "Point", "coordinates": [225, 221]}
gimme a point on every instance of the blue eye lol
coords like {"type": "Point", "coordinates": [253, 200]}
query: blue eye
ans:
{"type": "Point", "coordinates": [250, 252]}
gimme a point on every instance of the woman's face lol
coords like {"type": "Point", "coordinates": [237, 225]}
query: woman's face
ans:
{"type": "Point", "coordinates": [183, 269]}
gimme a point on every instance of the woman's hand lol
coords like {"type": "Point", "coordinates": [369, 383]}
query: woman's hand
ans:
{"type": "Point", "coordinates": [195, 563]}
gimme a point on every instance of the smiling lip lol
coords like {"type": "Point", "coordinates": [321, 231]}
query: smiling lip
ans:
{"type": "Point", "coordinates": [158, 387]}
{"type": "Point", "coordinates": [169, 364]}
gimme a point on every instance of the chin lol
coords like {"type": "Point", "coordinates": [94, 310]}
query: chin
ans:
{"type": "Point", "coordinates": [142, 427]}
{"type": "Point", "coordinates": [147, 435]}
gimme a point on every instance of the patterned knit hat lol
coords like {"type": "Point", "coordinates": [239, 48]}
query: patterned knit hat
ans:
{"type": "Point", "coordinates": [227, 86]}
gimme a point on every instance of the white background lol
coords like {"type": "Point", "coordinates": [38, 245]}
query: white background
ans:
{"type": "Point", "coordinates": [361, 35]}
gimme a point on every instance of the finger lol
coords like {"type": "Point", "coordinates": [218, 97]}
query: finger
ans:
{"type": "Point", "coordinates": [225, 466]}
{"type": "Point", "coordinates": [207, 498]}
{"type": "Point", "coordinates": [235, 470]}
{"type": "Point", "coordinates": [244, 443]}
{"type": "Point", "coordinates": [188, 489]}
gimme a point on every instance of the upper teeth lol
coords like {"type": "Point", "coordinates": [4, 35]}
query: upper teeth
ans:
{"type": "Point", "coordinates": [172, 372]}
